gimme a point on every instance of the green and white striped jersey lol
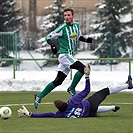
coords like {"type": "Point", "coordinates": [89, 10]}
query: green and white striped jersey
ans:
{"type": "Point", "coordinates": [68, 36]}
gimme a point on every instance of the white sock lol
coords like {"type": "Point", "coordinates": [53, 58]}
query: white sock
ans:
{"type": "Point", "coordinates": [105, 108]}
{"type": "Point", "coordinates": [115, 89]}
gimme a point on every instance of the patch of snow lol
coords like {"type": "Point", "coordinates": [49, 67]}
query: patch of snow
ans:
{"type": "Point", "coordinates": [32, 78]}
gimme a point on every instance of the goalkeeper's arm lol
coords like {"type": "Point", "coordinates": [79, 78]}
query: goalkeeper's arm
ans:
{"type": "Point", "coordinates": [24, 112]}
{"type": "Point", "coordinates": [44, 115]}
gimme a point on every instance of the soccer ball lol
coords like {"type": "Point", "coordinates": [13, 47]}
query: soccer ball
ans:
{"type": "Point", "coordinates": [5, 112]}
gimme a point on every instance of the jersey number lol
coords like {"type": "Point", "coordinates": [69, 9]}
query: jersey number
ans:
{"type": "Point", "coordinates": [77, 113]}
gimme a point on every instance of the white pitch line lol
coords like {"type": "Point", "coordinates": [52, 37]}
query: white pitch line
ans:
{"type": "Point", "coordinates": [119, 103]}
{"type": "Point", "coordinates": [50, 103]}
{"type": "Point", "coordinates": [24, 104]}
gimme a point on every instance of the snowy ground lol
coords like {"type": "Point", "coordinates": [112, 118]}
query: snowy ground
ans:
{"type": "Point", "coordinates": [32, 78]}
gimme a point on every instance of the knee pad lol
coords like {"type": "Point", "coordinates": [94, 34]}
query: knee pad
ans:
{"type": "Point", "coordinates": [78, 66]}
{"type": "Point", "coordinates": [59, 79]}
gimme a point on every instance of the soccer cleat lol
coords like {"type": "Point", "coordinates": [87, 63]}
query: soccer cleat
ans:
{"type": "Point", "coordinates": [37, 100]}
{"type": "Point", "coordinates": [116, 108]}
{"type": "Point", "coordinates": [129, 82]}
{"type": "Point", "coordinates": [87, 71]}
{"type": "Point", "coordinates": [71, 92]}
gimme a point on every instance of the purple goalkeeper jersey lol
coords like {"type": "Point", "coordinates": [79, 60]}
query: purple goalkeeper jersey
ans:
{"type": "Point", "coordinates": [76, 106]}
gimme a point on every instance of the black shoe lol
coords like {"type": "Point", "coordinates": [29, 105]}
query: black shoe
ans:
{"type": "Point", "coordinates": [116, 108]}
{"type": "Point", "coordinates": [129, 82]}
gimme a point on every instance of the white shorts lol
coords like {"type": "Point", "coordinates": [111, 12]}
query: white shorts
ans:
{"type": "Point", "coordinates": [65, 60]}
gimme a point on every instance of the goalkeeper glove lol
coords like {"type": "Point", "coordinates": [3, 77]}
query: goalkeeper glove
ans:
{"type": "Point", "coordinates": [23, 112]}
{"type": "Point", "coordinates": [53, 48]}
{"type": "Point", "coordinates": [87, 70]}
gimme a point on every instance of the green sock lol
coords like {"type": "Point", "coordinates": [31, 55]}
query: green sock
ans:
{"type": "Point", "coordinates": [76, 79]}
{"type": "Point", "coordinates": [47, 89]}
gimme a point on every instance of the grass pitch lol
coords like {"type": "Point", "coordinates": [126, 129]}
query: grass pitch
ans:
{"type": "Point", "coordinates": [109, 122]}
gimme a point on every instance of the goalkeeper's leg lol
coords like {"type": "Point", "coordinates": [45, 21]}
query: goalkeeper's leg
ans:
{"type": "Point", "coordinates": [117, 88]}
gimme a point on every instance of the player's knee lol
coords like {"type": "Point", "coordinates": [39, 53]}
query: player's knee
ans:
{"type": "Point", "coordinates": [79, 66]}
{"type": "Point", "coordinates": [57, 82]}
{"type": "Point", "coordinates": [59, 79]}
{"type": "Point", "coordinates": [82, 69]}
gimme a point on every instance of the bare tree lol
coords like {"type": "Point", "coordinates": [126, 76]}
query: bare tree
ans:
{"type": "Point", "coordinates": [32, 16]}
{"type": "Point", "coordinates": [132, 26]}
{"type": "Point", "coordinates": [32, 26]}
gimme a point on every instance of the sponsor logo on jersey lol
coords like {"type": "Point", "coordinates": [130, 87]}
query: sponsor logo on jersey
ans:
{"type": "Point", "coordinates": [73, 36]}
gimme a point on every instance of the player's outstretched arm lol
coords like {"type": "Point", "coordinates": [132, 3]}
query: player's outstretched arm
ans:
{"type": "Point", "coordinates": [53, 47]}
{"type": "Point", "coordinates": [83, 39]}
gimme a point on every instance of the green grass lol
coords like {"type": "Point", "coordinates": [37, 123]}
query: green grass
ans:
{"type": "Point", "coordinates": [109, 122]}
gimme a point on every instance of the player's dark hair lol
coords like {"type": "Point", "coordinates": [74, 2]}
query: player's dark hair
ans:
{"type": "Point", "coordinates": [60, 105]}
{"type": "Point", "coordinates": [69, 9]}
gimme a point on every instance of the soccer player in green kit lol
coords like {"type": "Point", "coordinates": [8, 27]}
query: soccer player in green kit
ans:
{"type": "Point", "coordinates": [68, 35]}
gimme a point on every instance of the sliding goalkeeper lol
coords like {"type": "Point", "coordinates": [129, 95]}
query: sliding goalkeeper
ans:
{"type": "Point", "coordinates": [77, 107]}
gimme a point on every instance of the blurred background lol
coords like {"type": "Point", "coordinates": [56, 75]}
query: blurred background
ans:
{"type": "Point", "coordinates": [25, 23]}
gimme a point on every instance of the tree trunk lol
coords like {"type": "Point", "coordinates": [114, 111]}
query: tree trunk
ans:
{"type": "Point", "coordinates": [32, 16]}
{"type": "Point", "coordinates": [132, 26]}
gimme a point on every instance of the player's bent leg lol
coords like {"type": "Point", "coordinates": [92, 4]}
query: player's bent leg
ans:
{"type": "Point", "coordinates": [58, 81]}
{"type": "Point", "coordinates": [76, 79]}
{"type": "Point", "coordinates": [80, 67]}
{"type": "Point", "coordinates": [43, 93]}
